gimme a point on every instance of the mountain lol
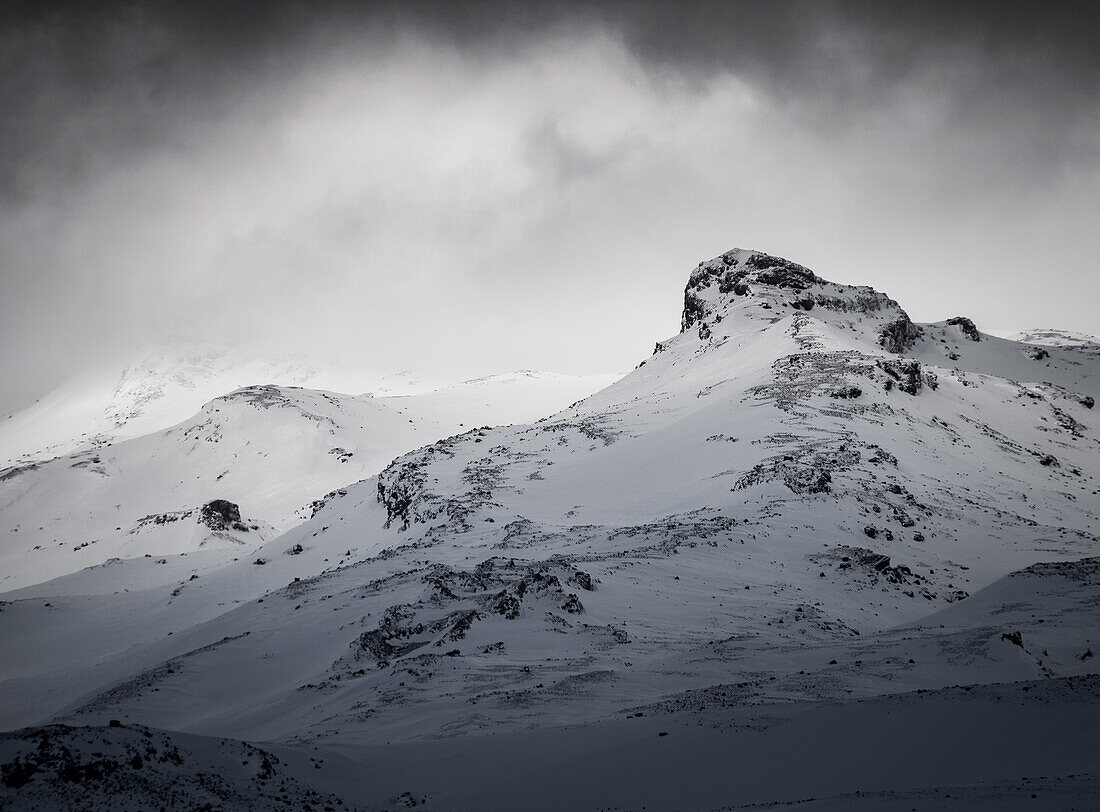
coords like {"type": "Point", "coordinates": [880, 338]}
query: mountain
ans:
{"type": "Point", "coordinates": [268, 450]}
{"type": "Point", "coordinates": [1085, 344]}
{"type": "Point", "coordinates": [158, 388]}
{"type": "Point", "coordinates": [167, 384]}
{"type": "Point", "coordinates": [756, 570]}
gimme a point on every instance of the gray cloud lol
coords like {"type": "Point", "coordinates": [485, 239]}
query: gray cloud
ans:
{"type": "Point", "coordinates": [483, 185]}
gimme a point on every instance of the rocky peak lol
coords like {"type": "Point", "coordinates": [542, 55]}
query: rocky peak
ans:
{"type": "Point", "coordinates": [779, 284]}
{"type": "Point", "coordinates": [732, 273]}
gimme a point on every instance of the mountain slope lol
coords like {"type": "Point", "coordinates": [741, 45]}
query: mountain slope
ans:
{"type": "Point", "coordinates": [165, 385]}
{"type": "Point", "coordinates": [268, 450]}
{"type": "Point", "coordinates": [802, 498]}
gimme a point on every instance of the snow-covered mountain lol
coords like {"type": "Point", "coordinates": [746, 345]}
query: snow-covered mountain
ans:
{"type": "Point", "coordinates": [269, 450]}
{"type": "Point", "coordinates": [158, 388]}
{"type": "Point", "coordinates": [167, 384]}
{"type": "Point", "coordinates": [786, 538]}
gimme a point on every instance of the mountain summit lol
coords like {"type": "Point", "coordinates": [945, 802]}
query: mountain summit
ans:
{"type": "Point", "coordinates": [717, 288]}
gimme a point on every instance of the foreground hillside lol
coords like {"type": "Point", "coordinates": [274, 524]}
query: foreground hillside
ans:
{"type": "Point", "coordinates": [755, 570]}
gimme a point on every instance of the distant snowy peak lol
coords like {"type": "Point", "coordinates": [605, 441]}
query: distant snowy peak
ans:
{"type": "Point", "coordinates": [163, 372]}
{"type": "Point", "coordinates": [163, 386]}
{"type": "Point", "coordinates": [1057, 338]}
{"type": "Point", "coordinates": [766, 287]}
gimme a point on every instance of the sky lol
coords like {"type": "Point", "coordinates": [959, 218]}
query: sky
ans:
{"type": "Point", "coordinates": [468, 188]}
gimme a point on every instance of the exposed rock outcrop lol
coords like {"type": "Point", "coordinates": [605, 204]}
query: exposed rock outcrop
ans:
{"type": "Point", "coordinates": [221, 514]}
{"type": "Point", "coordinates": [966, 326]}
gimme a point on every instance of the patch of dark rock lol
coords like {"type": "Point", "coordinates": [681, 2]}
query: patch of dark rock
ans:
{"type": "Point", "coordinates": [782, 273]}
{"type": "Point", "coordinates": [221, 514]}
{"type": "Point", "coordinates": [847, 393]}
{"type": "Point", "coordinates": [695, 310]}
{"type": "Point", "coordinates": [870, 562]}
{"type": "Point", "coordinates": [16, 470]}
{"type": "Point", "coordinates": [966, 326]}
{"type": "Point", "coordinates": [583, 580]}
{"type": "Point", "coordinates": [1015, 638]}
{"type": "Point", "coordinates": [505, 604]}
{"type": "Point", "coordinates": [572, 605]}
{"type": "Point", "coordinates": [906, 374]}
{"type": "Point", "coordinates": [900, 335]}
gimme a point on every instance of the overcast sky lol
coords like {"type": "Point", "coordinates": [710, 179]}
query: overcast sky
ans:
{"type": "Point", "coordinates": [462, 189]}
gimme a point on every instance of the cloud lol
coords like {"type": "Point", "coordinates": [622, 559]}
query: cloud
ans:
{"type": "Point", "coordinates": [466, 189]}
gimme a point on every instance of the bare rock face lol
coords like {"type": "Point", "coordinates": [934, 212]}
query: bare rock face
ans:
{"type": "Point", "coordinates": [775, 283]}
{"type": "Point", "coordinates": [221, 514]}
{"type": "Point", "coordinates": [906, 375]}
{"type": "Point", "coordinates": [899, 336]}
{"type": "Point", "coordinates": [733, 272]}
{"type": "Point", "coordinates": [967, 327]}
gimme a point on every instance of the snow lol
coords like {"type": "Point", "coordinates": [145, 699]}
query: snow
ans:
{"type": "Point", "coordinates": [802, 541]}
{"type": "Point", "coordinates": [270, 449]}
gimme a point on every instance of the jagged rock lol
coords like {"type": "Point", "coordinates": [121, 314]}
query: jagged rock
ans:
{"type": "Point", "coordinates": [1088, 401]}
{"type": "Point", "coordinates": [221, 514]}
{"type": "Point", "coordinates": [906, 374]}
{"type": "Point", "coordinates": [846, 393]}
{"type": "Point", "coordinates": [583, 580]}
{"type": "Point", "coordinates": [782, 273]}
{"type": "Point", "coordinates": [695, 310]}
{"type": "Point", "coordinates": [572, 605]}
{"type": "Point", "coordinates": [967, 327]}
{"type": "Point", "coordinates": [506, 605]}
{"type": "Point", "coordinates": [900, 335]}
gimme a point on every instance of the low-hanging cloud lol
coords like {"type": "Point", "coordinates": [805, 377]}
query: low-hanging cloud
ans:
{"type": "Point", "coordinates": [460, 191]}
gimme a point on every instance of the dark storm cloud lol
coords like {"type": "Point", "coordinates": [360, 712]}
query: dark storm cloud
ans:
{"type": "Point", "coordinates": [83, 82]}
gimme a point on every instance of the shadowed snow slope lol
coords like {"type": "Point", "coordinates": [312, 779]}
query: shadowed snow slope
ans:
{"type": "Point", "coordinates": [763, 542]}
